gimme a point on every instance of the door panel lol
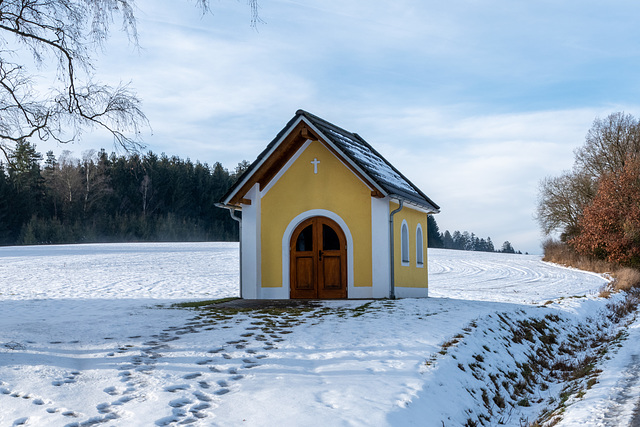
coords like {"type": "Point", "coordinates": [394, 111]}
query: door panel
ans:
{"type": "Point", "coordinates": [303, 262]}
{"type": "Point", "coordinates": [305, 274]}
{"type": "Point", "coordinates": [333, 277]}
{"type": "Point", "coordinates": [331, 273]}
{"type": "Point", "coordinates": [318, 260]}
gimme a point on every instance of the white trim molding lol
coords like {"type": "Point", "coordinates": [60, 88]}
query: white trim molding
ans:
{"type": "Point", "coordinates": [419, 247]}
{"type": "Point", "coordinates": [346, 159]}
{"type": "Point", "coordinates": [352, 291]}
{"type": "Point", "coordinates": [263, 159]}
{"type": "Point", "coordinates": [295, 157]}
{"type": "Point", "coordinates": [285, 168]}
{"type": "Point", "coordinates": [405, 244]}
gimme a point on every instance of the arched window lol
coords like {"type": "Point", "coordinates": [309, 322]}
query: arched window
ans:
{"type": "Point", "coordinates": [404, 243]}
{"type": "Point", "coordinates": [419, 246]}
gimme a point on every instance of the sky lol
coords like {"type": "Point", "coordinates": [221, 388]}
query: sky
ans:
{"type": "Point", "coordinates": [475, 101]}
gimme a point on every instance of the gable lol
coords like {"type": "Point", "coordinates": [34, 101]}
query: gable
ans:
{"type": "Point", "coordinates": [271, 161]}
{"type": "Point", "coordinates": [298, 189]}
{"type": "Point", "coordinates": [372, 163]}
{"type": "Point", "coordinates": [315, 172]}
{"type": "Point", "coordinates": [364, 161]}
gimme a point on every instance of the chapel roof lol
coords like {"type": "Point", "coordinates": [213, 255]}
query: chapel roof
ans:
{"type": "Point", "coordinates": [361, 156]}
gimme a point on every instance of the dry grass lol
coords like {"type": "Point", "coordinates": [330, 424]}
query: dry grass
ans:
{"type": "Point", "coordinates": [605, 292]}
{"type": "Point", "coordinates": [624, 278]}
{"type": "Point", "coordinates": [563, 254]}
{"type": "Point", "coordinates": [619, 310]}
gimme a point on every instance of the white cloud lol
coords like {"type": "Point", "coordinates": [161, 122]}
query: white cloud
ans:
{"type": "Point", "coordinates": [482, 170]}
{"type": "Point", "coordinates": [474, 101]}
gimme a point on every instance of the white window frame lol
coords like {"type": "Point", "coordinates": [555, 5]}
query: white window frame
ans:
{"type": "Point", "coordinates": [419, 246]}
{"type": "Point", "coordinates": [405, 255]}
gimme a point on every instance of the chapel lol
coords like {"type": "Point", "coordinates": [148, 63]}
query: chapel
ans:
{"type": "Point", "coordinates": [324, 215]}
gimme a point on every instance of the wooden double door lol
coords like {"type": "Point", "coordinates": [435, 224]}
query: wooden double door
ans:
{"type": "Point", "coordinates": [318, 263]}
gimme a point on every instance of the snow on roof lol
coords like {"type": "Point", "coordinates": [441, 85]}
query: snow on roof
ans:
{"type": "Point", "coordinates": [371, 162]}
{"type": "Point", "coordinates": [357, 151]}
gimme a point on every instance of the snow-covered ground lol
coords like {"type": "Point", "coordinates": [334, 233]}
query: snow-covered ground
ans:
{"type": "Point", "coordinates": [614, 401]}
{"type": "Point", "coordinates": [86, 338]}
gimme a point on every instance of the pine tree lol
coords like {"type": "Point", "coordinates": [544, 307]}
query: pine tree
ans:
{"type": "Point", "coordinates": [434, 238]}
{"type": "Point", "coordinates": [507, 248]}
{"type": "Point", "coordinates": [490, 247]}
{"type": "Point", "coordinates": [458, 241]}
{"type": "Point", "coordinates": [7, 215]}
{"type": "Point", "coordinates": [447, 240]}
{"type": "Point", "coordinates": [27, 182]}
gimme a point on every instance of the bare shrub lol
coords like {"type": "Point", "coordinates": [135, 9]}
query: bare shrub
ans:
{"type": "Point", "coordinates": [619, 310]}
{"type": "Point", "coordinates": [563, 254]}
{"type": "Point", "coordinates": [605, 292]}
{"type": "Point", "coordinates": [626, 278]}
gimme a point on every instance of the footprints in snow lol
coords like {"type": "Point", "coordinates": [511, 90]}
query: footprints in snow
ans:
{"type": "Point", "coordinates": [192, 376]}
{"type": "Point", "coordinates": [17, 394]}
{"type": "Point", "coordinates": [41, 402]}
{"type": "Point", "coordinates": [67, 379]}
{"type": "Point", "coordinates": [186, 409]}
{"type": "Point", "coordinates": [215, 375]}
{"type": "Point", "coordinates": [201, 390]}
{"type": "Point", "coordinates": [111, 411]}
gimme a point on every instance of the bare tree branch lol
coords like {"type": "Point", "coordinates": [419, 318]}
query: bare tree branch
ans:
{"type": "Point", "coordinates": [610, 144]}
{"type": "Point", "coordinates": [71, 32]}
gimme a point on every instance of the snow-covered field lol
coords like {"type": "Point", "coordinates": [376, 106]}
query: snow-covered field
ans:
{"type": "Point", "coordinates": [87, 338]}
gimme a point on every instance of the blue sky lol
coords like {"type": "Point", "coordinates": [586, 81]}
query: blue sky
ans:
{"type": "Point", "coordinates": [474, 101]}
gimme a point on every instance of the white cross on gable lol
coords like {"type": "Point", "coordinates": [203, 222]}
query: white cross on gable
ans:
{"type": "Point", "coordinates": [315, 164]}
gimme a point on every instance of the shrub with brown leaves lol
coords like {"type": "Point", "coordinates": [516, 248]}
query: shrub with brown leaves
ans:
{"type": "Point", "coordinates": [610, 225]}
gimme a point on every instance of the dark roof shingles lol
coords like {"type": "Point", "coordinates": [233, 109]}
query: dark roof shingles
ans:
{"type": "Point", "coordinates": [371, 162]}
{"type": "Point", "coordinates": [360, 153]}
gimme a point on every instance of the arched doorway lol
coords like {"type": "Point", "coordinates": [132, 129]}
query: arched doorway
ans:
{"type": "Point", "coordinates": [318, 260]}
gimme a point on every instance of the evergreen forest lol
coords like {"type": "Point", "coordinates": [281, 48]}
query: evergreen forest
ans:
{"type": "Point", "coordinates": [463, 241]}
{"type": "Point", "coordinates": [105, 197]}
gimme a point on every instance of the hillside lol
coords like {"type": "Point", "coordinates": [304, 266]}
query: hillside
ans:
{"type": "Point", "coordinates": [87, 338]}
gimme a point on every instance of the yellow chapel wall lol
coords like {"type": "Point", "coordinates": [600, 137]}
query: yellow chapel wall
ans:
{"type": "Point", "coordinates": [410, 276]}
{"type": "Point", "coordinates": [299, 189]}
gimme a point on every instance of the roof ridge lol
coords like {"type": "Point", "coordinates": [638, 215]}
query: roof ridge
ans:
{"type": "Point", "coordinates": [326, 123]}
{"type": "Point", "coordinates": [356, 150]}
